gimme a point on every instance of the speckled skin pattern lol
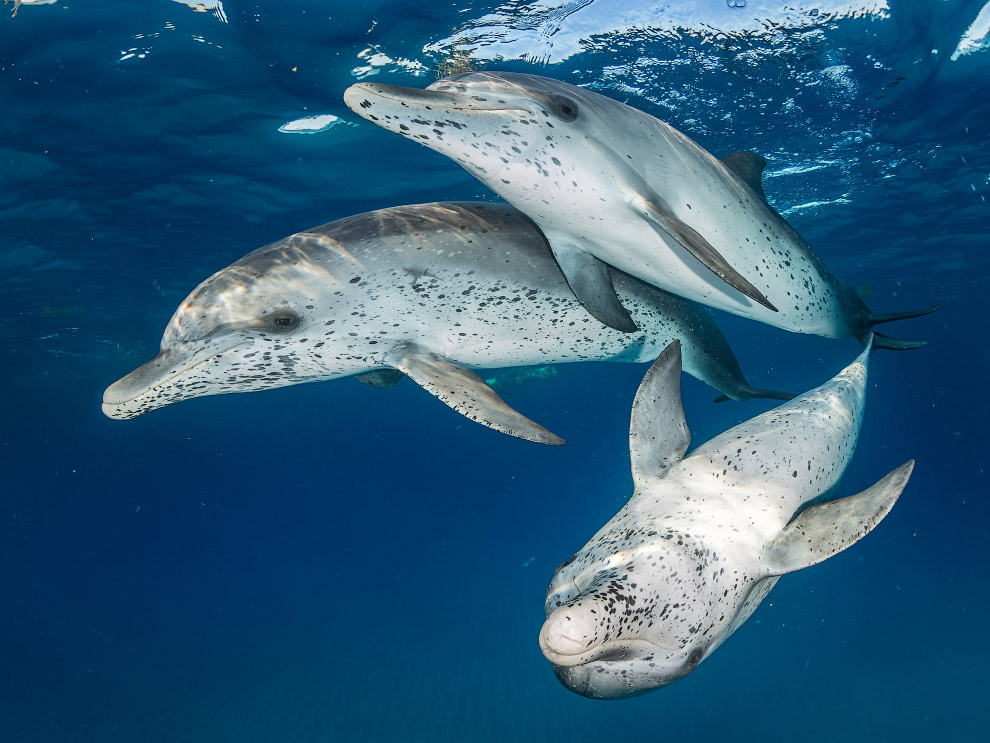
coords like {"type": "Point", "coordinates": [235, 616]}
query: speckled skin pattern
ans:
{"type": "Point", "coordinates": [587, 169]}
{"type": "Point", "coordinates": [683, 564]}
{"type": "Point", "coordinates": [471, 283]}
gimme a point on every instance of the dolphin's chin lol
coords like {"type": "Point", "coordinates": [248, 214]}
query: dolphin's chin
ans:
{"type": "Point", "coordinates": [613, 669]}
{"type": "Point", "coordinates": [158, 382]}
{"type": "Point", "coordinates": [611, 679]}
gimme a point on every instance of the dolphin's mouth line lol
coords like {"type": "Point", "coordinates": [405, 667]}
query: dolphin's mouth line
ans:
{"type": "Point", "coordinates": [185, 369]}
{"type": "Point", "coordinates": [468, 107]}
{"type": "Point", "coordinates": [426, 96]}
{"type": "Point", "coordinates": [607, 652]}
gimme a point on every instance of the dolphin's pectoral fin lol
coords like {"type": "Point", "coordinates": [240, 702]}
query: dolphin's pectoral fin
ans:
{"type": "Point", "coordinates": [658, 431]}
{"type": "Point", "coordinates": [824, 530]}
{"type": "Point", "coordinates": [687, 237]}
{"type": "Point", "coordinates": [748, 167]}
{"type": "Point", "coordinates": [589, 279]}
{"type": "Point", "coordinates": [467, 393]}
{"type": "Point", "coordinates": [380, 377]}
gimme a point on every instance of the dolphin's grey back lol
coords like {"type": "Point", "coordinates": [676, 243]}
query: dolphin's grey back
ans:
{"type": "Point", "coordinates": [413, 236]}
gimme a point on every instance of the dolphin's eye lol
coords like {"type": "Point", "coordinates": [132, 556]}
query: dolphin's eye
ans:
{"type": "Point", "coordinates": [283, 321]}
{"type": "Point", "coordinates": [695, 657]}
{"type": "Point", "coordinates": [563, 108]}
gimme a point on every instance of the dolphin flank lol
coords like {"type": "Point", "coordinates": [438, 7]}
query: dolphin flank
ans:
{"type": "Point", "coordinates": [705, 537]}
{"type": "Point", "coordinates": [429, 291]}
{"type": "Point", "coordinates": [609, 184]}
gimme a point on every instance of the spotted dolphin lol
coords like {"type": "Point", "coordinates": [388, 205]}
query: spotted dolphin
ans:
{"type": "Point", "coordinates": [609, 184]}
{"type": "Point", "coordinates": [428, 291]}
{"type": "Point", "coordinates": [704, 538]}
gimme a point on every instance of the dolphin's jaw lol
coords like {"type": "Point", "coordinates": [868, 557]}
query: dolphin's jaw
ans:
{"type": "Point", "coordinates": [129, 396]}
{"type": "Point", "coordinates": [613, 679]}
{"type": "Point", "coordinates": [614, 669]}
{"type": "Point", "coordinates": [563, 649]}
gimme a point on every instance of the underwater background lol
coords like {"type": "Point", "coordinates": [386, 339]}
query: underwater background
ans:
{"type": "Point", "coordinates": [336, 562]}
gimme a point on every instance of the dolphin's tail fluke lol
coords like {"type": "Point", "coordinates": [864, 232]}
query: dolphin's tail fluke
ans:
{"type": "Point", "coordinates": [748, 393]}
{"type": "Point", "coordinates": [893, 344]}
{"type": "Point", "coordinates": [878, 318]}
{"type": "Point", "coordinates": [885, 341]}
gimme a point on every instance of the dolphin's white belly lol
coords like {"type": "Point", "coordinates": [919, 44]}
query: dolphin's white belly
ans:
{"type": "Point", "coordinates": [797, 451]}
{"type": "Point", "coordinates": [614, 232]}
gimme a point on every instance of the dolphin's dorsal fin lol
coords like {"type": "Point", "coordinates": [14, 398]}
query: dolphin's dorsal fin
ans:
{"type": "Point", "coordinates": [668, 225]}
{"type": "Point", "coordinates": [466, 392]}
{"type": "Point", "coordinates": [748, 167]}
{"type": "Point", "coordinates": [658, 432]}
{"type": "Point", "coordinates": [589, 279]}
{"type": "Point", "coordinates": [380, 377]}
{"type": "Point", "coordinates": [824, 530]}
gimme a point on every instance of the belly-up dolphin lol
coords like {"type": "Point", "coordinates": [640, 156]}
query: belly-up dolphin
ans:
{"type": "Point", "coordinates": [424, 290]}
{"type": "Point", "coordinates": [704, 538]}
{"type": "Point", "coordinates": [609, 184]}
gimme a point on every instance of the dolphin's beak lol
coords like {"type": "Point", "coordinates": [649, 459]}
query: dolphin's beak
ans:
{"type": "Point", "coordinates": [153, 385]}
{"type": "Point", "coordinates": [570, 637]}
{"type": "Point", "coordinates": [362, 98]}
{"type": "Point", "coordinates": [573, 636]}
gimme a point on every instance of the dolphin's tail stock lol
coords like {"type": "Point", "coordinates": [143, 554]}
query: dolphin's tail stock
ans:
{"type": "Point", "coordinates": [748, 393]}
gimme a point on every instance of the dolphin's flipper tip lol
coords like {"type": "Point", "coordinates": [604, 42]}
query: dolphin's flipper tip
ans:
{"type": "Point", "coordinates": [826, 529]}
{"type": "Point", "coordinates": [666, 223]}
{"type": "Point", "coordinates": [589, 279]}
{"type": "Point", "coordinates": [467, 393]}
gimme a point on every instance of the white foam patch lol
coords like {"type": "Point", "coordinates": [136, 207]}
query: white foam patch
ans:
{"type": "Point", "coordinates": [206, 6]}
{"type": "Point", "coordinates": [18, 3]}
{"type": "Point", "coordinates": [312, 124]}
{"type": "Point", "coordinates": [798, 169]}
{"type": "Point", "coordinates": [814, 204]}
{"type": "Point", "coordinates": [977, 36]}
{"type": "Point", "coordinates": [376, 61]}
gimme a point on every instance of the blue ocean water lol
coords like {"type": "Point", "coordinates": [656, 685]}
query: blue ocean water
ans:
{"type": "Point", "coordinates": [335, 562]}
